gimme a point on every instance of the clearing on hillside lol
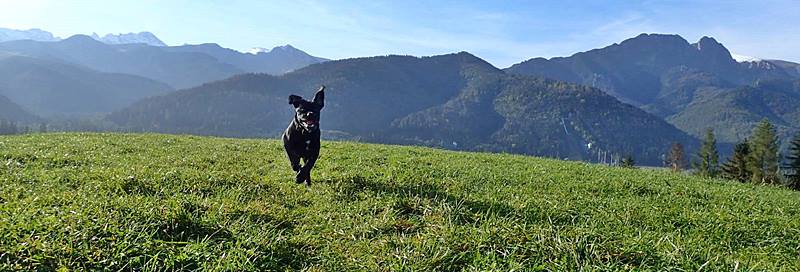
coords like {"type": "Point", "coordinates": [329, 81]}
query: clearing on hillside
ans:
{"type": "Point", "coordinates": [161, 202]}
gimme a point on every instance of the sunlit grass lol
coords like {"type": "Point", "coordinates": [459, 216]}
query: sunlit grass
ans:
{"type": "Point", "coordinates": [156, 202]}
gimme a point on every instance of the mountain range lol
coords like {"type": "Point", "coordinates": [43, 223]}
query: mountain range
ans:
{"type": "Point", "coordinates": [51, 88]}
{"type": "Point", "coordinates": [691, 85]}
{"type": "Point", "coordinates": [636, 97]}
{"type": "Point", "coordinates": [455, 101]}
{"type": "Point", "coordinates": [7, 34]}
{"type": "Point", "coordinates": [130, 38]}
{"type": "Point", "coordinates": [276, 61]}
{"type": "Point", "coordinates": [84, 75]}
{"type": "Point", "coordinates": [179, 66]}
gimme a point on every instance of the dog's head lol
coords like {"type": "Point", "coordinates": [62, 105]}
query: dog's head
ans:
{"type": "Point", "coordinates": [307, 113]}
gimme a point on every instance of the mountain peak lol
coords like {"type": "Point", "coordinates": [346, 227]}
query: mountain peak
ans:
{"type": "Point", "coordinates": [714, 50]}
{"type": "Point", "coordinates": [707, 42]}
{"type": "Point", "coordinates": [285, 48]}
{"type": "Point", "coordinates": [129, 38]}
{"type": "Point", "coordinates": [650, 38]}
{"type": "Point", "coordinates": [7, 34]}
{"type": "Point", "coordinates": [277, 49]}
{"type": "Point", "coordinates": [80, 38]}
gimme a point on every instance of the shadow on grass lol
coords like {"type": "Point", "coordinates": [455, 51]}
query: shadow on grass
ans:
{"type": "Point", "coordinates": [284, 256]}
{"type": "Point", "coordinates": [279, 255]}
{"type": "Point", "coordinates": [185, 228]}
{"type": "Point", "coordinates": [351, 187]}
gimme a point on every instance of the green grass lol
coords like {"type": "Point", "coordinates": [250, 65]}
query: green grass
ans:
{"type": "Point", "coordinates": [159, 202]}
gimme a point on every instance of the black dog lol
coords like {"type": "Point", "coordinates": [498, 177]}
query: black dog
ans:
{"type": "Point", "coordinates": [301, 138]}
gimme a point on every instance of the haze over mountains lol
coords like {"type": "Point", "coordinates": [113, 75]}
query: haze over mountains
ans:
{"type": "Point", "coordinates": [51, 88]}
{"type": "Point", "coordinates": [85, 75]}
{"type": "Point", "coordinates": [179, 66]}
{"type": "Point", "coordinates": [636, 97]}
{"type": "Point", "coordinates": [7, 34]}
{"type": "Point", "coordinates": [35, 34]}
{"type": "Point", "coordinates": [14, 112]}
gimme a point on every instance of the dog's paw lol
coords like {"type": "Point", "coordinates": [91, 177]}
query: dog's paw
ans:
{"type": "Point", "coordinates": [299, 178]}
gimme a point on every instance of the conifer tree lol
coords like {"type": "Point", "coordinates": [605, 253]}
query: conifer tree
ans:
{"type": "Point", "coordinates": [707, 164]}
{"type": "Point", "coordinates": [793, 177]}
{"type": "Point", "coordinates": [736, 167]}
{"type": "Point", "coordinates": [675, 159]}
{"type": "Point", "coordinates": [763, 159]}
{"type": "Point", "coordinates": [628, 162]}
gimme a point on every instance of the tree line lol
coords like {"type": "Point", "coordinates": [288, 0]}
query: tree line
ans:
{"type": "Point", "coordinates": [12, 128]}
{"type": "Point", "coordinates": [755, 160]}
{"type": "Point", "coordinates": [8, 127]}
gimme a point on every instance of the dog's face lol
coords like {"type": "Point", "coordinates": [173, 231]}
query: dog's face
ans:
{"type": "Point", "coordinates": [307, 113]}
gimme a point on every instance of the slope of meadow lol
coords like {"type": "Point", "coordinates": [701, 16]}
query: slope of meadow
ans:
{"type": "Point", "coordinates": [156, 202]}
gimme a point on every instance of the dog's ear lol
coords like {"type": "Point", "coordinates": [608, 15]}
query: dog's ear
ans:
{"type": "Point", "coordinates": [319, 97]}
{"type": "Point", "coordinates": [295, 100]}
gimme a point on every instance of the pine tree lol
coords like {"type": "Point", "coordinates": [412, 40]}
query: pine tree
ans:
{"type": "Point", "coordinates": [736, 167]}
{"type": "Point", "coordinates": [708, 157]}
{"type": "Point", "coordinates": [763, 159]}
{"type": "Point", "coordinates": [42, 127]}
{"type": "Point", "coordinates": [628, 162]}
{"type": "Point", "coordinates": [794, 163]}
{"type": "Point", "coordinates": [675, 158]}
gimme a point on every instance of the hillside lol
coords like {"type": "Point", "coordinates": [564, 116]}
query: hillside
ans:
{"type": "Point", "coordinates": [734, 112]}
{"type": "Point", "coordinates": [53, 88]}
{"type": "Point", "coordinates": [791, 67]}
{"type": "Point", "coordinates": [12, 112]}
{"type": "Point", "coordinates": [671, 78]}
{"type": "Point", "coordinates": [134, 201]}
{"type": "Point", "coordinates": [456, 101]}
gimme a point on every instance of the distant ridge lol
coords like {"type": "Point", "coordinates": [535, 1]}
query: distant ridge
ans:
{"type": "Point", "coordinates": [179, 66]}
{"type": "Point", "coordinates": [275, 61]}
{"type": "Point", "coordinates": [7, 34]}
{"type": "Point", "coordinates": [130, 38]}
{"type": "Point", "coordinates": [52, 88]}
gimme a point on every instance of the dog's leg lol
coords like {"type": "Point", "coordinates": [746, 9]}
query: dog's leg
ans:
{"type": "Point", "coordinates": [308, 164]}
{"type": "Point", "coordinates": [294, 160]}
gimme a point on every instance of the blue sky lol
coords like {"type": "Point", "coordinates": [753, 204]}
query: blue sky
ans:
{"type": "Point", "coordinates": [502, 32]}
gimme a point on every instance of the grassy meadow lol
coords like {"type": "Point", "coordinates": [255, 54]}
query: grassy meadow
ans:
{"type": "Point", "coordinates": [161, 202]}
